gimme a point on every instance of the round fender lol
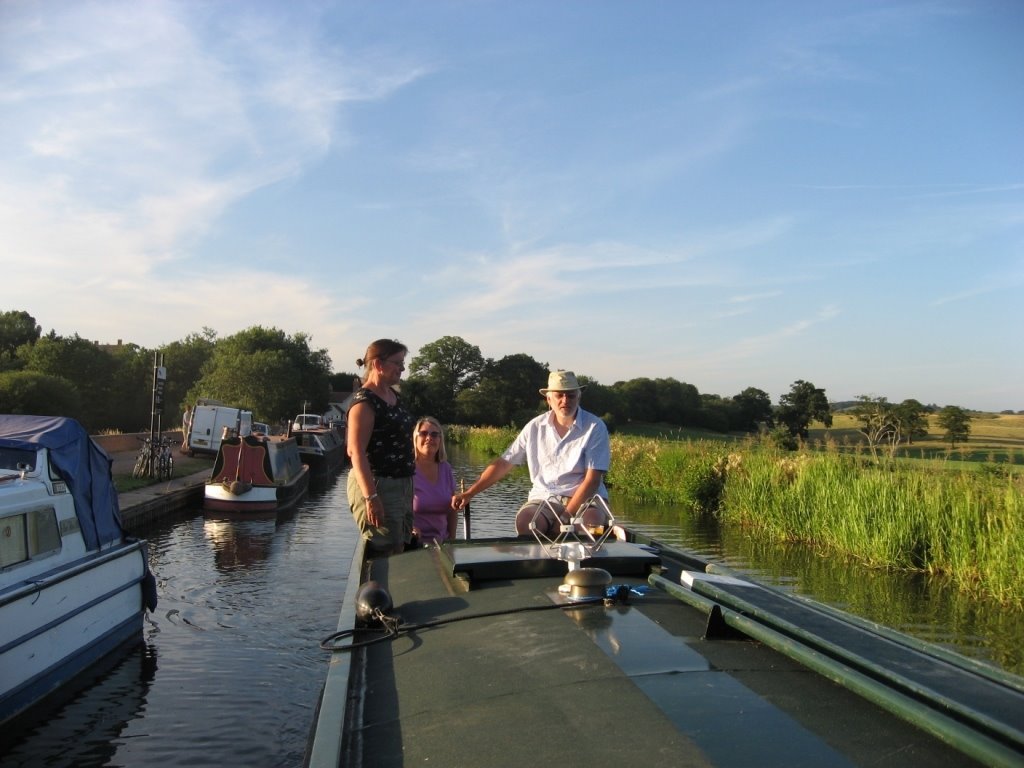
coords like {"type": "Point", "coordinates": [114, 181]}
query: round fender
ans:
{"type": "Point", "coordinates": [371, 598]}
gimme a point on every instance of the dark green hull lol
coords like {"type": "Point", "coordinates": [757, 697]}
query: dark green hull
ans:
{"type": "Point", "coordinates": [499, 674]}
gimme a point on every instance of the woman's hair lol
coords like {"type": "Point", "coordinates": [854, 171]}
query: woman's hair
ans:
{"type": "Point", "coordinates": [380, 349]}
{"type": "Point", "coordinates": [441, 454]}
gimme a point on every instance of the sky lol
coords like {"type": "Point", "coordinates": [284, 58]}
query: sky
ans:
{"type": "Point", "coordinates": [733, 195]}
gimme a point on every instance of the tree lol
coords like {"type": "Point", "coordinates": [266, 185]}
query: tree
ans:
{"type": "Point", "coordinates": [446, 367]}
{"type": "Point", "coordinates": [184, 361]}
{"type": "Point", "coordinates": [751, 408]}
{"type": "Point", "coordinates": [876, 419]}
{"type": "Point", "coordinates": [128, 403]}
{"type": "Point", "coordinates": [601, 400]}
{"type": "Point", "coordinates": [17, 327]}
{"type": "Point", "coordinates": [957, 423]}
{"type": "Point", "coordinates": [267, 371]}
{"type": "Point", "coordinates": [677, 402]}
{"type": "Point", "coordinates": [639, 398]}
{"type": "Point", "coordinates": [803, 404]}
{"type": "Point", "coordinates": [912, 418]}
{"type": "Point", "coordinates": [714, 414]}
{"type": "Point", "coordinates": [90, 368]}
{"type": "Point", "coordinates": [38, 394]}
{"type": "Point", "coordinates": [507, 392]}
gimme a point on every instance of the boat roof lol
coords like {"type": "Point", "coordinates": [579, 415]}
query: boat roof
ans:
{"type": "Point", "coordinates": [79, 462]}
{"type": "Point", "coordinates": [498, 667]}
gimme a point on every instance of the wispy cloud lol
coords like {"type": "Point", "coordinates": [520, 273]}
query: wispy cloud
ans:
{"type": "Point", "coordinates": [1010, 281]}
{"type": "Point", "coordinates": [765, 344]}
{"type": "Point", "coordinates": [152, 119]}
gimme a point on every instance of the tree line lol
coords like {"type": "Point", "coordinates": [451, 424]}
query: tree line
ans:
{"type": "Point", "coordinates": [276, 375]}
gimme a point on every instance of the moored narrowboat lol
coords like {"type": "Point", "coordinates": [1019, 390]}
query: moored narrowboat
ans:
{"type": "Point", "coordinates": [256, 474]}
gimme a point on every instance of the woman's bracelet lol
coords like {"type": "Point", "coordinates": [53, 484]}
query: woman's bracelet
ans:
{"type": "Point", "coordinates": [369, 498]}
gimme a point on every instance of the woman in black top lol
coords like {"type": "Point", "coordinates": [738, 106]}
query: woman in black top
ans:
{"type": "Point", "coordinates": [380, 449]}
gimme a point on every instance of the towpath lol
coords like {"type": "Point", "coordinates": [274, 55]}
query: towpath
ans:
{"type": "Point", "coordinates": [159, 499]}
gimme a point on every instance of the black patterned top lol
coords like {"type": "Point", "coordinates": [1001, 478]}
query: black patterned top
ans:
{"type": "Point", "coordinates": [390, 450]}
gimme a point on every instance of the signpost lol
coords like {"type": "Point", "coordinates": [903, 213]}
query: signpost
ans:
{"type": "Point", "coordinates": [155, 426]}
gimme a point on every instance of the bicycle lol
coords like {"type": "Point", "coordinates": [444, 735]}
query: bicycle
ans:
{"type": "Point", "coordinates": [155, 459]}
{"type": "Point", "coordinates": [165, 460]}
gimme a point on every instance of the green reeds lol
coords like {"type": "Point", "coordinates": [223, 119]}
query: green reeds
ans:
{"type": "Point", "coordinates": [489, 440]}
{"type": "Point", "coordinates": [967, 525]}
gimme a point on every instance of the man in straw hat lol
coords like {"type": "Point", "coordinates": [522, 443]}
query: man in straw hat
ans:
{"type": "Point", "coordinates": [566, 450]}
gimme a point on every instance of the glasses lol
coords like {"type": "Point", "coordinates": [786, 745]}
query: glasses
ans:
{"type": "Point", "coordinates": [424, 434]}
{"type": "Point", "coordinates": [567, 395]}
{"type": "Point", "coordinates": [399, 363]}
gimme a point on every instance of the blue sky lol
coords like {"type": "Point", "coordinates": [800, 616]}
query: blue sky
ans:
{"type": "Point", "coordinates": [734, 194]}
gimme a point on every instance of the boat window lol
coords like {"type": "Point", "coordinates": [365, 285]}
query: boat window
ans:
{"type": "Point", "coordinates": [13, 544]}
{"type": "Point", "coordinates": [25, 536]}
{"type": "Point", "coordinates": [17, 459]}
{"type": "Point", "coordinates": [43, 534]}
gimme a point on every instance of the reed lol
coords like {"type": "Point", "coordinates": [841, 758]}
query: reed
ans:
{"type": "Point", "coordinates": [690, 473]}
{"type": "Point", "coordinates": [965, 524]}
{"type": "Point", "coordinates": [489, 440]}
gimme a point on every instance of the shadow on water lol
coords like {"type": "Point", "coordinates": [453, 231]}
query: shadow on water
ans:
{"type": "Point", "coordinates": [83, 724]}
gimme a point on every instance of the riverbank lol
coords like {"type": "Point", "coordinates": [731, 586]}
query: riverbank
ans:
{"type": "Point", "coordinates": [144, 505]}
{"type": "Point", "coordinates": [152, 502]}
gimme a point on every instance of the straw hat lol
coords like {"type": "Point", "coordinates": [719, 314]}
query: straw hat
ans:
{"type": "Point", "coordinates": [562, 381]}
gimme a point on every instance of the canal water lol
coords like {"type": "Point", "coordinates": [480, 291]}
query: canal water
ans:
{"type": "Point", "coordinates": [230, 669]}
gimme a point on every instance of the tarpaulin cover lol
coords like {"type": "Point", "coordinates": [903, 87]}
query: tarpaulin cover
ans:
{"type": "Point", "coordinates": [80, 462]}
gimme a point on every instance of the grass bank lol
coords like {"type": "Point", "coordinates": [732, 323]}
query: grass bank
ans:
{"type": "Point", "coordinates": [183, 466]}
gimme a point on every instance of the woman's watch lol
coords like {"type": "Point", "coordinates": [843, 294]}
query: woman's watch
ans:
{"type": "Point", "coordinates": [369, 498]}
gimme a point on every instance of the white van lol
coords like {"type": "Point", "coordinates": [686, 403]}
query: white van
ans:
{"type": "Point", "coordinates": [209, 425]}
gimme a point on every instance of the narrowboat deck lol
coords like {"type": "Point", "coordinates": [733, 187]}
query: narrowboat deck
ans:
{"type": "Point", "coordinates": [495, 666]}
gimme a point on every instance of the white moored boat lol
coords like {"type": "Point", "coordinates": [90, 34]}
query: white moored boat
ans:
{"type": "Point", "coordinates": [73, 587]}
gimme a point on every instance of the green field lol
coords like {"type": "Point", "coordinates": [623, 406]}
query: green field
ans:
{"type": "Point", "coordinates": [994, 439]}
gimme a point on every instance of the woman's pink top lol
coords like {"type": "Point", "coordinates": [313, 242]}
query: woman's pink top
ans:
{"type": "Point", "coordinates": [432, 502]}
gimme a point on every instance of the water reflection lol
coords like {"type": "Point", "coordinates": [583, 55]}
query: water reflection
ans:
{"type": "Point", "coordinates": [239, 543]}
{"type": "Point", "coordinates": [86, 732]}
{"type": "Point", "coordinates": [492, 512]}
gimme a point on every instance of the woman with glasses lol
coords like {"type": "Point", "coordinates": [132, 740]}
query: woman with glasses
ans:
{"type": "Point", "coordinates": [380, 449]}
{"type": "Point", "coordinates": [567, 452]}
{"type": "Point", "coordinates": [434, 516]}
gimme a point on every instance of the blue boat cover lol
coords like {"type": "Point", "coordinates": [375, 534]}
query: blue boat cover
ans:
{"type": "Point", "coordinates": [80, 462]}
